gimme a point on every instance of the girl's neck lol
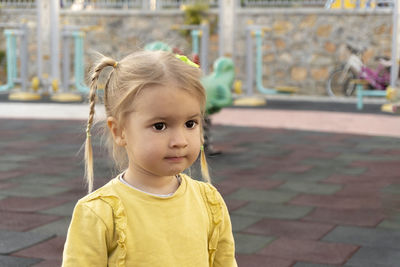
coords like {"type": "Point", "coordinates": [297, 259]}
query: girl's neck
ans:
{"type": "Point", "coordinates": [161, 185]}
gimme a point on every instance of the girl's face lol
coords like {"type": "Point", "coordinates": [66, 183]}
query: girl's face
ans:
{"type": "Point", "coordinates": [162, 134]}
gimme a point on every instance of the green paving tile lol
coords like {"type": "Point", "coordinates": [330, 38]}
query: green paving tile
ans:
{"type": "Point", "coordinates": [375, 257]}
{"type": "Point", "coordinates": [269, 196]}
{"type": "Point", "coordinates": [365, 157]}
{"type": "Point", "coordinates": [59, 227]}
{"type": "Point", "coordinates": [389, 224]}
{"type": "Point", "coordinates": [18, 157]}
{"type": "Point", "coordinates": [8, 166]}
{"type": "Point", "coordinates": [310, 188]}
{"type": "Point", "coordinates": [62, 210]}
{"type": "Point", "coordinates": [17, 241]}
{"type": "Point", "coordinates": [313, 175]}
{"type": "Point", "coordinates": [275, 211]}
{"type": "Point", "coordinates": [307, 264]}
{"type": "Point", "coordinates": [371, 237]}
{"type": "Point", "coordinates": [33, 178]}
{"type": "Point", "coordinates": [352, 170]}
{"type": "Point", "coordinates": [240, 222]}
{"type": "Point", "coordinates": [249, 244]}
{"type": "Point", "coordinates": [33, 190]}
{"type": "Point", "coordinates": [392, 189]}
{"type": "Point", "coordinates": [9, 261]}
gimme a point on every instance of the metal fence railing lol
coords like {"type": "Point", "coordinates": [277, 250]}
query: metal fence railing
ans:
{"type": "Point", "coordinates": [177, 4]}
{"type": "Point", "coordinates": [283, 3]}
{"type": "Point", "coordinates": [110, 4]}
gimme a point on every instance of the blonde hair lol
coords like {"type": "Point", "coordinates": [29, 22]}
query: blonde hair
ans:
{"type": "Point", "coordinates": [129, 76]}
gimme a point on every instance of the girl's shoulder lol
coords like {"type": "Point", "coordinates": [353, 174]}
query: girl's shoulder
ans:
{"type": "Point", "coordinates": [102, 200]}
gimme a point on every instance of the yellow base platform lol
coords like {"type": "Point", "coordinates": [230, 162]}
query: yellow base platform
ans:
{"type": "Point", "coordinates": [66, 97]}
{"type": "Point", "coordinates": [391, 108]}
{"type": "Point", "coordinates": [24, 96]}
{"type": "Point", "coordinates": [250, 101]}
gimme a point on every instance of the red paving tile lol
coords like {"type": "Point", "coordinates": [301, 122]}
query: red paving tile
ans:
{"type": "Point", "coordinates": [258, 261]}
{"type": "Point", "coordinates": [337, 202]}
{"type": "Point", "coordinates": [367, 218]}
{"type": "Point", "coordinates": [290, 229]}
{"type": "Point", "coordinates": [11, 174]}
{"type": "Point", "coordinates": [30, 204]}
{"type": "Point", "coordinates": [48, 263]}
{"type": "Point", "coordinates": [380, 168]}
{"type": "Point", "coordinates": [17, 221]}
{"type": "Point", "coordinates": [359, 179]}
{"type": "Point", "coordinates": [51, 249]}
{"type": "Point", "coordinates": [7, 185]}
{"type": "Point", "coordinates": [309, 251]}
{"type": "Point", "coordinates": [244, 181]}
{"type": "Point", "coordinates": [298, 168]}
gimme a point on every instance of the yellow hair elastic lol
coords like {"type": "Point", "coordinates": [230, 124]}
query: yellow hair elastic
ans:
{"type": "Point", "coordinates": [187, 61]}
{"type": "Point", "coordinates": [202, 148]}
{"type": "Point", "coordinates": [115, 64]}
{"type": "Point", "coordinates": [88, 132]}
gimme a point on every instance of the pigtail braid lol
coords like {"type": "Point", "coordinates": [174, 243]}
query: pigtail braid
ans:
{"type": "Point", "coordinates": [105, 62]}
{"type": "Point", "coordinates": [204, 166]}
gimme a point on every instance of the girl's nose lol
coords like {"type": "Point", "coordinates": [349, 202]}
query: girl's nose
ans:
{"type": "Point", "coordinates": [178, 139]}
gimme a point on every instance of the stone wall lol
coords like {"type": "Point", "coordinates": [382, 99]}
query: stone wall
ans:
{"type": "Point", "coordinates": [303, 46]}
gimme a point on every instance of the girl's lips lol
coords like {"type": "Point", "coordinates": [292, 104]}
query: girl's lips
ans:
{"type": "Point", "coordinates": [175, 159]}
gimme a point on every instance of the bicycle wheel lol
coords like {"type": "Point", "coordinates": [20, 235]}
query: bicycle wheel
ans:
{"type": "Point", "coordinates": [338, 81]}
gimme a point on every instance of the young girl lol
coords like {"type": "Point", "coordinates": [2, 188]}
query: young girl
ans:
{"type": "Point", "coordinates": [151, 214]}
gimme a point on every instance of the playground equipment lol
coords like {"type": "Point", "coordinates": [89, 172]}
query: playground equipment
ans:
{"type": "Point", "coordinates": [393, 96]}
{"type": "Point", "coordinates": [350, 4]}
{"type": "Point", "coordinates": [64, 94]}
{"type": "Point", "coordinates": [197, 32]}
{"type": "Point", "coordinates": [19, 31]}
{"type": "Point", "coordinates": [218, 85]}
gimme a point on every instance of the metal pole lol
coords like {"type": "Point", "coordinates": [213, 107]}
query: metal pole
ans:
{"type": "Point", "coordinates": [204, 47]}
{"type": "Point", "coordinates": [54, 40]}
{"type": "Point", "coordinates": [220, 28]}
{"type": "Point", "coordinates": [39, 37]}
{"type": "Point", "coordinates": [249, 62]}
{"type": "Point", "coordinates": [24, 57]}
{"type": "Point", "coordinates": [395, 45]}
{"type": "Point", "coordinates": [66, 59]}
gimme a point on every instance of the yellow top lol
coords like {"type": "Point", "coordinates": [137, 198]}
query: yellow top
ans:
{"type": "Point", "coordinates": [120, 226]}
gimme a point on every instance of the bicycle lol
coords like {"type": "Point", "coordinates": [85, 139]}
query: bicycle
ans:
{"type": "Point", "coordinates": [340, 80]}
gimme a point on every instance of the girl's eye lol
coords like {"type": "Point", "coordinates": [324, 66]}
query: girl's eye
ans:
{"type": "Point", "coordinates": [159, 126]}
{"type": "Point", "coordinates": [190, 124]}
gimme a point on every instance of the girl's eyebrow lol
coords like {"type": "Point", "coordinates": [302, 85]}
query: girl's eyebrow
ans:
{"type": "Point", "coordinates": [167, 118]}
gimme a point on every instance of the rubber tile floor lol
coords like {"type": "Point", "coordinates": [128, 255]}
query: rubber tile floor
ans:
{"type": "Point", "coordinates": [296, 198]}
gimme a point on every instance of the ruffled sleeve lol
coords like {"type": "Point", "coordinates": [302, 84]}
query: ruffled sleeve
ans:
{"type": "Point", "coordinates": [221, 244]}
{"type": "Point", "coordinates": [90, 238]}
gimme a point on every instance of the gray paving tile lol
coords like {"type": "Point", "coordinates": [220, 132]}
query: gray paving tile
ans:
{"type": "Point", "coordinates": [62, 210]}
{"type": "Point", "coordinates": [18, 157]}
{"type": "Point", "coordinates": [9, 261]}
{"type": "Point", "coordinates": [313, 175]}
{"type": "Point", "coordinates": [276, 211]}
{"type": "Point", "coordinates": [269, 196]}
{"type": "Point", "coordinates": [14, 241]}
{"type": "Point", "coordinates": [248, 244]}
{"type": "Point", "coordinates": [59, 228]}
{"type": "Point", "coordinates": [392, 189]}
{"type": "Point", "coordinates": [310, 188]}
{"type": "Point", "coordinates": [8, 166]}
{"type": "Point", "coordinates": [375, 257]}
{"type": "Point", "coordinates": [371, 237]}
{"type": "Point", "coordinates": [365, 157]}
{"type": "Point", "coordinates": [307, 264]}
{"type": "Point", "coordinates": [33, 178]}
{"type": "Point", "coordinates": [33, 190]}
{"type": "Point", "coordinates": [389, 224]}
{"type": "Point", "coordinates": [240, 222]}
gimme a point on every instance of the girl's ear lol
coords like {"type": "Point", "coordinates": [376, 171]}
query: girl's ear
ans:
{"type": "Point", "coordinates": [116, 131]}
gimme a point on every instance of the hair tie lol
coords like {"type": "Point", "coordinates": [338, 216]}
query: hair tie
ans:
{"type": "Point", "coordinates": [115, 64]}
{"type": "Point", "coordinates": [202, 148]}
{"type": "Point", "coordinates": [186, 60]}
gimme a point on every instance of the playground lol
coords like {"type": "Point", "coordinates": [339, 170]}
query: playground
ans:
{"type": "Point", "coordinates": [310, 179]}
